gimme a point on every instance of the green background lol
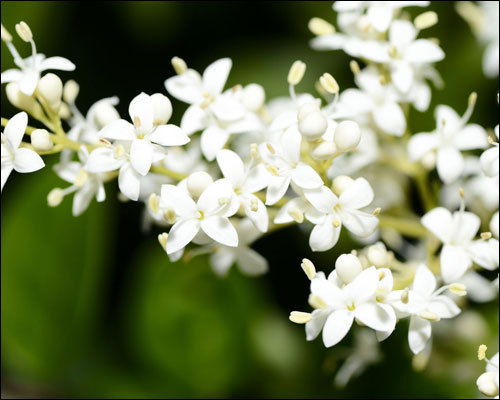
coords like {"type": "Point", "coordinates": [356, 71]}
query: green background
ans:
{"type": "Point", "coordinates": [91, 307]}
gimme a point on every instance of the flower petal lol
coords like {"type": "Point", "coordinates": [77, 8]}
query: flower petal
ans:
{"type": "Point", "coordinates": [103, 159]}
{"type": "Point", "coordinates": [141, 155]}
{"type": "Point", "coordinates": [357, 195]}
{"type": "Point", "coordinates": [450, 164]}
{"type": "Point", "coordinates": [215, 75]}
{"type": "Point", "coordinates": [231, 167]}
{"type": "Point", "coordinates": [358, 222]}
{"type": "Point", "coordinates": [380, 16]}
{"type": "Point", "coordinates": [221, 260]}
{"type": "Point", "coordinates": [28, 82]}
{"type": "Point", "coordinates": [336, 327]}
{"type": "Point", "coordinates": [6, 170]}
{"type": "Point", "coordinates": [194, 119]}
{"type": "Point", "coordinates": [250, 262]}
{"type": "Point", "coordinates": [444, 307]}
{"type": "Point", "coordinates": [176, 198]}
{"type": "Point", "coordinates": [277, 188]}
{"type": "Point", "coordinates": [322, 198]}
{"type": "Point", "coordinates": [362, 287]}
{"type": "Point", "coordinates": [471, 137]}
{"type": "Point", "coordinates": [419, 334]}
{"type": "Point", "coordinates": [402, 33]}
{"type": "Point", "coordinates": [169, 135]}
{"type": "Point", "coordinates": [314, 326]}
{"type": "Point", "coordinates": [11, 75]}
{"type": "Point", "coordinates": [465, 226]}
{"type": "Point", "coordinates": [258, 217]}
{"type": "Point", "coordinates": [324, 236]}
{"type": "Point", "coordinates": [379, 317]}
{"type": "Point", "coordinates": [390, 118]}
{"type": "Point", "coordinates": [82, 199]}
{"type": "Point", "coordinates": [186, 87]}
{"type": "Point", "coordinates": [422, 143]}
{"type": "Point", "coordinates": [489, 161]}
{"type": "Point", "coordinates": [440, 222]}
{"type": "Point", "coordinates": [129, 182]}
{"type": "Point", "coordinates": [14, 131]}
{"type": "Point", "coordinates": [424, 282]}
{"type": "Point", "coordinates": [306, 177]}
{"type": "Point", "coordinates": [26, 160]}
{"type": "Point", "coordinates": [141, 107]}
{"type": "Point", "coordinates": [59, 63]}
{"type": "Point", "coordinates": [454, 262]}
{"type": "Point", "coordinates": [220, 229]}
{"type": "Point", "coordinates": [181, 233]}
{"type": "Point", "coordinates": [423, 51]}
{"type": "Point", "coordinates": [213, 139]}
{"type": "Point", "coordinates": [118, 130]}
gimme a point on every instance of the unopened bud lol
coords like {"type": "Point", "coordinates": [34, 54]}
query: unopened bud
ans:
{"type": "Point", "coordinates": [64, 111]}
{"type": "Point", "coordinates": [300, 317]}
{"type": "Point", "coordinates": [296, 72]}
{"type": "Point", "coordinates": [197, 182]}
{"type": "Point", "coordinates": [377, 255]}
{"type": "Point", "coordinates": [319, 26]}
{"type": "Point", "coordinates": [40, 139]}
{"type": "Point", "coordinates": [308, 268]}
{"type": "Point", "coordinates": [162, 108]}
{"type": "Point", "coordinates": [347, 136]}
{"type": "Point", "coordinates": [312, 124]}
{"type": "Point", "coordinates": [162, 239]}
{"type": "Point", "coordinates": [6, 36]}
{"type": "Point", "coordinates": [329, 83]}
{"type": "Point", "coordinates": [253, 96]}
{"type": "Point", "coordinates": [179, 65]}
{"type": "Point", "coordinates": [487, 383]}
{"type": "Point", "coordinates": [324, 150]}
{"type": "Point", "coordinates": [426, 20]}
{"type": "Point", "coordinates": [104, 113]}
{"type": "Point", "coordinates": [348, 267]}
{"type": "Point", "coordinates": [50, 88]}
{"type": "Point", "coordinates": [55, 197]}
{"type": "Point", "coordinates": [22, 101]}
{"type": "Point", "coordinates": [24, 31]}
{"type": "Point", "coordinates": [341, 183]}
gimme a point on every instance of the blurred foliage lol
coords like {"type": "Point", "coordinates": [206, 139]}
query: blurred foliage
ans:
{"type": "Point", "coordinates": [91, 307]}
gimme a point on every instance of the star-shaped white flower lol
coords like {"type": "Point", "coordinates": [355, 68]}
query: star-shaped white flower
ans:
{"type": "Point", "coordinates": [15, 158]}
{"type": "Point", "coordinates": [246, 181]}
{"type": "Point", "coordinates": [451, 136]}
{"type": "Point", "coordinates": [210, 213]}
{"type": "Point", "coordinates": [144, 134]}
{"type": "Point", "coordinates": [334, 211]}
{"type": "Point", "coordinates": [457, 232]}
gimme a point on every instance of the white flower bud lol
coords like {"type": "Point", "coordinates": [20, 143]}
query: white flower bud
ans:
{"type": "Point", "coordinates": [341, 183]}
{"type": "Point", "coordinates": [428, 160]}
{"type": "Point", "coordinates": [104, 113]}
{"type": "Point", "coordinates": [162, 108]}
{"type": "Point", "coordinates": [377, 255]}
{"type": "Point", "coordinates": [70, 91]}
{"type": "Point", "coordinates": [348, 267]}
{"type": "Point", "coordinates": [50, 88]}
{"type": "Point", "coordinates": [24, 31]}
{"type": "Point", "coordinates": [40, 139]}
{"type": "Point", "coordinates": [197, 182]}
{"type": "Point", "coordinates": [347, 136]}
{"type": "Point", "coordinates": [296, 72]}
{"type": "Point", "coordinates": [253, 96]}
{"type": "Point", "coordinates": [20, 100]}
{"type": "Point", "coordinates": [55, 197]}
{"type": "Point", "coordinates": [6, 36]}
{"type": "Point", "coordinates": [487, 385]}
{"type": "Point", "coordinates": [64, 111]}
{"type": "Point", "coordinates": [324, 150]}
{"type": "Point", "coordinates": [312, 123]}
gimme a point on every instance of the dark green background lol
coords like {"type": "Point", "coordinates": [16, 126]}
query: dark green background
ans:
{"type": "Point", "coordinates": [91, 307]}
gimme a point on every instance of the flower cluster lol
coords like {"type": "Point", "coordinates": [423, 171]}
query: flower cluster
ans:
{"type": "Point", "coordinates": [239, 166]}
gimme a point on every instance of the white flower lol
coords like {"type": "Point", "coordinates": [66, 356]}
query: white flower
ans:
{"type": "Point", "coordinates": [145, 133]}
{"type": "Point", "coordinates": [487, 382]}
{"type": "Point", "coordinates": [340, 306]}
{"type": "Point", "coordinates": [210, 213]}
{"type": "Point", "coordinates": [248, 260]}
{"type": "Point", "coordinates": [452, 135]}
{"type": "Point", "coordinates": [15, 158]}
{"type": "Point", "coordinates": [215, 113]}
{"type": "Point", "coordinates": [333, 212]}
{"type": "Point", "coordinates": [489, 159]}
{"type": "Point", "coordinates": [425, 304]}
{"type": "Point", "coordinates": [286, 167]}
{"type": "Point", "coordinates": [246, 181]}
{"type": "Point", "coordinates": [29, 69]}
{"type": "Point", "coordinates": [111, 158]}
{"type": "Point", "coordinates": [85, 185]}
{"type": "Point", "coordinates": [380, 101]}
{"type": "Point", "coordinates": [456, 232]}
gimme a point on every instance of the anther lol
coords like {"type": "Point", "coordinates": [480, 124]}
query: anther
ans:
{"type": "Point", "coordinates": [308, 268]}
{"type": "Point", "coordinates": [296, 214]}
{"type": "Point", "coordinates": [300, 317]}
{"type": "Point", "coordinates": [429, 316]}
{"type": "Point", "coordinates": [24, 31]}
{"type": "Point", "coordinates": [319, 27]}
{"type": "Point", "coordinates": [296, 72]}
{"type": "Point", "coordinates": [179, 65]}
{"type": "Point", "coordinates": [329, 83]}
{"type": "Point", "coordinates": [426, 20]}
{"type": "Point", "coordinates": [162, 239]}
{"type": "Point", "coordinates": [154, 202]}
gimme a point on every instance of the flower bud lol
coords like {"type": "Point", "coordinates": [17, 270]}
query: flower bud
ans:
{"type": "Point", "coordinates": [347, 136]}
{"type": "Point", "coordinates": [324, 150]}
{"type": "Point", "coordinates": [348, 267]}
{"type": "Point", "coordinates": [253, 96]}
{"type": "Point", "coordinates": [341, 183]}
{"type": "Point", "coordinates": [312, 123]}
{"type": "Point", "coordinates": [64, 111]}
{"type": "Point", "coordinates": [20, 100]}
{"type": "Point", "coordinates": [377, 255]}
{"type": "Point", "coordinates": [70, 91]}
{"type": "Point", "coordinates": [104, 113]}
{"type": "Point", "coordinates": [162, 108]}
{"type": "Point", "coordinates": [197, 182]}
{"type": "Point", "coordinates": [40, 139]}
{"type": "Point", "coordinates": [50, 88]}
{"type": "Point", "coordinates": [486, 384]}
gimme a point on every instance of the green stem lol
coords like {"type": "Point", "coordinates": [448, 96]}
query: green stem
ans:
{"type": "Point", "coordinates": [178, 176]}
{"type": "Point", "coordinates": [405, 226]}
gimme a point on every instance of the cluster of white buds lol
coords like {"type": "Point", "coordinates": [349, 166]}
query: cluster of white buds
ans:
{"type": "Point", "coordinates": [240, 166]}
